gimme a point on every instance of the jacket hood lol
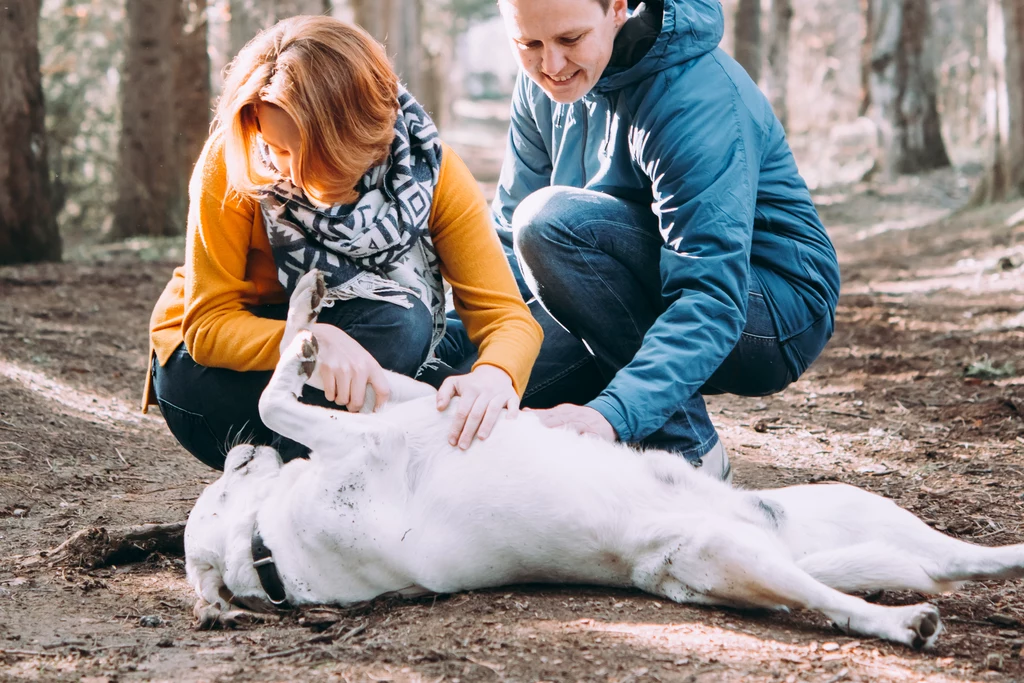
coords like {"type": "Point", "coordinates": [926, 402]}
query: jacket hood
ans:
{"type": "Point", "coordinates": [689, 29]}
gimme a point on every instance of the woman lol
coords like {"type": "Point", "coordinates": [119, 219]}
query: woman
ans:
{"type": "Point", "coordinates": [320, 159]}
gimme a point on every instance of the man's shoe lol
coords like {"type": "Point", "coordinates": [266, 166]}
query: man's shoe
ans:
{"type": "Point", "coordinates": [715, 463]}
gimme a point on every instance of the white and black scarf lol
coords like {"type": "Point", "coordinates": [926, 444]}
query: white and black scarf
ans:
{"type": "Point", "coordinates": [380, 246]}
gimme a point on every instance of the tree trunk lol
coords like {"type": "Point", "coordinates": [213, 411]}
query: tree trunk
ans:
{"type": "Point", "coordinates": [28, 228]}
{"type": "Point", "coordinates": [1004, 178]}
{"type": "Point", "coordinates": [192, 85]}
{"type": "Point", "coordinates": [902, 87]}
{"type": "Point", "coordinates": [747, 37]}
{"type": "Point", "coordinates": [398, 24]}
{"type": "Point", "coordinates": [249, 17]}
{"type": "Point", "coordinates": [778, 58]}
{"type": "Point", "coordinates": [151, 195]}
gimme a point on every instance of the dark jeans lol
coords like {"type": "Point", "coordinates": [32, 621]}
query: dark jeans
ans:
{"type": "Point", "coordinates": [208, 410]}
{"type": "Point", "coordinates": [593, 262]}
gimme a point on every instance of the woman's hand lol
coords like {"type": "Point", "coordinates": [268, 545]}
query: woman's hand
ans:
{"type": "Point", "coordinates": [484, 393]}
{"type": "Point", "coordinates": [579, 419]}
{"type": "Point", "coordinates": [347, 369]}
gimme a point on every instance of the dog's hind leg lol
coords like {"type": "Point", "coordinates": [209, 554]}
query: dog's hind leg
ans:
{"type": "Point", "coordinates": [321, 429]}
{"type": "Point", "coordinates": [742, 565]}
{"type": "Point", "coordinates": [854, 540]}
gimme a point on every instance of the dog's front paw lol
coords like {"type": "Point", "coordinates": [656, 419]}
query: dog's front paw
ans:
{"type": "Point", "coordinates": [210, 616]}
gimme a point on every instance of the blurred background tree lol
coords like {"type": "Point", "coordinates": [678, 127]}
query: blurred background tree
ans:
{"type": "Point", "coordinates": [866, 89]}
{"type": "Point", "coordinates": [28, 231]}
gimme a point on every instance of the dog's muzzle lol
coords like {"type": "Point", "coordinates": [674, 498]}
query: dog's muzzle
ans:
{"type": "Point", "coordinates": [263, 563]}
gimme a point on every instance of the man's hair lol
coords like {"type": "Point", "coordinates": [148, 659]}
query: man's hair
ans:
{"type": "Point", "coordinates": [605, 4]}
{"type": "Point", "coordinates": [335, 82]}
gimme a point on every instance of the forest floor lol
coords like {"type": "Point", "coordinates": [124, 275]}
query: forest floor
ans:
{"type": "Point", "coordinates": [916, 398]}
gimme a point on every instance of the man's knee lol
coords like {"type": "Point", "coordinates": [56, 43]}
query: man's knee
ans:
{"type": "Point", "coordinates": [546, 216]}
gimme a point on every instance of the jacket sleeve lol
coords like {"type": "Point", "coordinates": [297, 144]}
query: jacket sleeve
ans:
{"type": "Point", "coordinates": [525, 169]}
{"type": "Point", "coordinates": [701, 148]}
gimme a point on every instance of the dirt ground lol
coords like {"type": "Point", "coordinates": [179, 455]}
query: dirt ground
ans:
{"type": "Point", "coordinates": [915, 398]}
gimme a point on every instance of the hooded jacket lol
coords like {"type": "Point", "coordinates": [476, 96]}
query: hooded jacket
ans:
{"type": "Point", "coordinates": [682, 127]}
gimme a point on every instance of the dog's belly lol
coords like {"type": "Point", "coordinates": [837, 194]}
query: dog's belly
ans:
{"type": "Point", "coordinates": [531, 504]}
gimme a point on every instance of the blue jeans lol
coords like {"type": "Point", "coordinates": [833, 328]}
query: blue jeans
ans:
{"type": "Point", "coordinates": [210, 409]}
{"type": "Point", "coordinates": [592, 262]}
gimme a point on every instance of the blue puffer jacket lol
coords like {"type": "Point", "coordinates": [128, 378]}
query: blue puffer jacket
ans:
{"type": "Point", "coordinates": [686, 130]}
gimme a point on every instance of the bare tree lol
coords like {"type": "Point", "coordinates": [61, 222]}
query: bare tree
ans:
{"type": "Point", "coordinates": [192, 84]}
{"type": "Point", "coordinates": [398, 24]}
{"type": "Point", "coordinates": [747, 37]}
{"type": "Point", "coordinates": [249, 17]}
{"type": "Point", "coordinates": [28, 230]}
{"type": "Point", "coordinates": [778, 57]}
{"type": "Point", "coordinates": [1004, 178]}
{"type": "Point", "coordinates": [151, 194]}
{"type": "Point", "coordinates": [902, 86]}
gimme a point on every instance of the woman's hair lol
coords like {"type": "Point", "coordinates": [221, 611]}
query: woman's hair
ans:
{"type": "Point", "coordinates": [336, 83]}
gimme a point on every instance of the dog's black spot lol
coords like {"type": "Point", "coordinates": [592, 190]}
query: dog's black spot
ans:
{"type": "Point", "coordinates": [665, 477]}
{"type": "Point", "coordinates": [773, 513]}
{"type": "Point", "coordinates": [246, 460]}
{"type": "Point", "coordinates": [319, 290]}
{"type": "Point", "coordinates": [310, 349]}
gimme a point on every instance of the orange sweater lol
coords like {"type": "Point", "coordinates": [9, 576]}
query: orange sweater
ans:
{"type": "Point", "coordinates": [229, 268]}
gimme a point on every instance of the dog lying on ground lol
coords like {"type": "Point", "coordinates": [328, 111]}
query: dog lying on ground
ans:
{"type": "Point", "coordinates": [384, 505]}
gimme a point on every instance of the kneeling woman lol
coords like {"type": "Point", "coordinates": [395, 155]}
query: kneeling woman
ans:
{"type": "Point", "coordinates": [320, 159]}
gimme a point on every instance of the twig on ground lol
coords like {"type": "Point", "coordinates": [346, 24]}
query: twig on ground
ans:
{"type": "Point", "coordinates": [30, 653]}
{"type": "Point", "coordinates": [859, 416]}
{"type": "Point", "coordinates": [95, 547]}
{"type": "Point", "coordinates": [283, 653]}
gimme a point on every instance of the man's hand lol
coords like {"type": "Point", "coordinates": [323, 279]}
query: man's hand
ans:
{"type": "Point", "coordinates": [346, 369]}
{"type": "Point", "coordinates": [484, 393]}
{"type": "Point", "coordinates": [580, 419]}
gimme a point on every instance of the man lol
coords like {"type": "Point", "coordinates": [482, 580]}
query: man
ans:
{"type": "Point", "coordinates": [658, 215]}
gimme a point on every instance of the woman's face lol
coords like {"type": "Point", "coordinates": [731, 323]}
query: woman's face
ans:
{"type": "Point", "coordinates": [282, 136]}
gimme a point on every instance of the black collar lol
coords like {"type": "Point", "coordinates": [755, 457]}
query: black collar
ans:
{"type": "Point", "coordinates": [263, 562]}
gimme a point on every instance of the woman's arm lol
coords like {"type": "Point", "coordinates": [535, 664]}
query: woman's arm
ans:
{"type": "Point", "coordinates": [485, 294]}
{"type": "Point", "coordinates": [220, 288]}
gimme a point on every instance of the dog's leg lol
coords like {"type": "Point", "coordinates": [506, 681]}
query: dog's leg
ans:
{"type": "Point", "coordinates": [742, 565]}
{"type": "Point", "coordinates": [321, 429]}
{"type": "Point", "coordinates": [873, 544]}
{"type": "Point", "coordinates": [304, 306]}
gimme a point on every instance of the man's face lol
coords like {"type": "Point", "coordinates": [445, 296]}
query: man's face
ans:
{"type": "Point", "coordinates": [563, 45]}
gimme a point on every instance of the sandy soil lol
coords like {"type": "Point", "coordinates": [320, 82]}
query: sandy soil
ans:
{"type": "Point", "coordinates": [913, 399]}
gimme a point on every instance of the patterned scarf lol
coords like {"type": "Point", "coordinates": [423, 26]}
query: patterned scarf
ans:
{"type": "Point", "coordinates": [380, 247]}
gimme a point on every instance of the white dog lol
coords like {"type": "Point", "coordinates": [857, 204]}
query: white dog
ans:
{"type": "Point", "coordinates": [385, 505]}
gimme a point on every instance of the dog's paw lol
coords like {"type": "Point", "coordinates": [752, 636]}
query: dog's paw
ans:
{"type": "Point", "coordinates": [918, 626]}
{"type": "Point", "coordinates": [925, 626]}
{"type": "Point", "coordinates": [309, 294]}
{"type": "Point", "coordinates": [308, 350]}
{"type": "Point", "coordinates": [211, 617]}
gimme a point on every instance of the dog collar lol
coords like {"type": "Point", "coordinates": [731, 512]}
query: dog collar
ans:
{"type": "Point", "coordinates": [263, 563]}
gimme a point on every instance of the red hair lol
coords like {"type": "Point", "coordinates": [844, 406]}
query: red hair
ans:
{"type": "Point", "coordinates": [335, 82]}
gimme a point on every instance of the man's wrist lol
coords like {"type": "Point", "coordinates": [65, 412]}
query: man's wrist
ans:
{"type": "Point", "coordinates": [606, 408]}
